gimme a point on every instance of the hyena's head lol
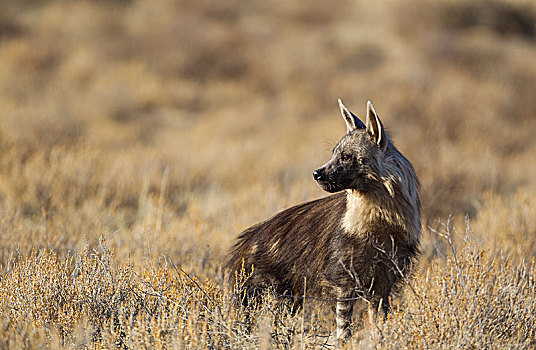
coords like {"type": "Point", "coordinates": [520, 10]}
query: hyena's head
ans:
{"type": "Point", "coordinates": [358, 159]}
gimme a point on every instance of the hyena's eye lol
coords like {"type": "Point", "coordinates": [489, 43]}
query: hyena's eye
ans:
{"type": "Point", "coordinates": [346, 157]}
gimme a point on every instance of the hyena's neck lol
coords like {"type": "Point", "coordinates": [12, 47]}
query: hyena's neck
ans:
{"type": "Point", "coordinates": [367, 215]}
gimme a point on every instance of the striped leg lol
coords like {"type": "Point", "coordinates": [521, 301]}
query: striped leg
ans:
{"type": "Point", "coordinates": [378, 308]}
{"type": "Point", "coordinates": [343, 314]}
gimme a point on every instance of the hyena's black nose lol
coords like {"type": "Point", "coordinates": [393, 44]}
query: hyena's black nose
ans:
{"type": "Point", "coordinates": [318, 174]}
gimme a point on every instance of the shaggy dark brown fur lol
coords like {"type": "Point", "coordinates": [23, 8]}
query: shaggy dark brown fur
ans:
{"type": "Point", "coordinates": [351, 245]}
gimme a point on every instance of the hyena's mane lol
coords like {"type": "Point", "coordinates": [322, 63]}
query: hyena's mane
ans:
{"type": "Point", "coordinates": [394, 200]}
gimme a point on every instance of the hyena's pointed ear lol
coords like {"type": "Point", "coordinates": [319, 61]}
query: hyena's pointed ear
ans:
{"type": "Point", "coordinates": [352, 121]}
{"type": "Point", "coordinates": [375, 127]}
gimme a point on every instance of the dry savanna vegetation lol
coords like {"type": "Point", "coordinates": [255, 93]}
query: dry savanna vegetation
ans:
{"type": "Point", "coordinates": [138, 138]}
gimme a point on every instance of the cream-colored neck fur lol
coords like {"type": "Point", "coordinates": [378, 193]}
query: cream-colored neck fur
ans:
{"type": "Point", "coordinates": [367, 215]}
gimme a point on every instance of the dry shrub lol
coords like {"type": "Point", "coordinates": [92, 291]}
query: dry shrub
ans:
{"type": "Point", "coordinates": [93, 297]}
{"type": "Point", "coordinates": [467, 300]}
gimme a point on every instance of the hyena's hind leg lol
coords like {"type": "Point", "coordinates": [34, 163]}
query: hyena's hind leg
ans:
{"type": "Point", "coordinates": [246, 295]}
{"type": "Point", "coordinates": [247, 300]}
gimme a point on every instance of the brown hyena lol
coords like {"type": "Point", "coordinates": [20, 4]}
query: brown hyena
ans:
{"type": "Point", "coordinates": [355, 244]}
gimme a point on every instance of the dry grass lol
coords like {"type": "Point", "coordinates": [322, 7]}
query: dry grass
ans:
{"type": "Point", "coordinates": [137, 138]}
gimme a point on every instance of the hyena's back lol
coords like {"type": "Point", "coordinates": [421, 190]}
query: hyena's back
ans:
{"type": "Point", "coordinates": [291, 246]}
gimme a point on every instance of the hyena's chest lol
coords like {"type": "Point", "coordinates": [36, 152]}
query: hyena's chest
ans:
{"type": "Point", "coordinates": [362, 260]}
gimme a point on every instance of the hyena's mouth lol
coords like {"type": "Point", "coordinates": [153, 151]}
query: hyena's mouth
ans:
{"type": "Point", "coordinates": [329, 186]}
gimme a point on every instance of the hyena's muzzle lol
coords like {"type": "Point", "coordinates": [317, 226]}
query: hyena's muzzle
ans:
{"type": "Point", "coordinates": [331, 177]}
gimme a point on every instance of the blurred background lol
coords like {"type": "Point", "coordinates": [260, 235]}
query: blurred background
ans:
{"type": "Point", "coordinates": [170, 126]}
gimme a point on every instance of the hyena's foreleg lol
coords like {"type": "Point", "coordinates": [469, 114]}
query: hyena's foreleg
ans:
{"type": "Point", "coordinates": [343, 311]}
{"type": "Point", "coordinates": [379, 308]}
